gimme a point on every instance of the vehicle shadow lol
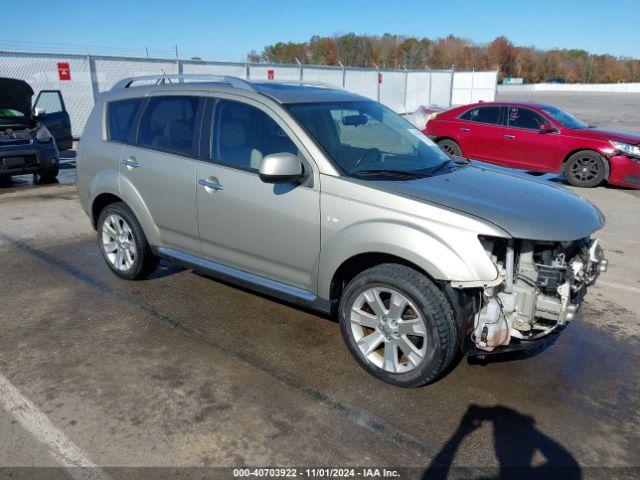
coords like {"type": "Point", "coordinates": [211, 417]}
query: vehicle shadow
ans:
{"type": "Point", "coordinates": [515, 439]}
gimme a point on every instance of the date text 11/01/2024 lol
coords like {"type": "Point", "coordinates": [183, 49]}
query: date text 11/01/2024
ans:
{"type": "Point", "coordinates": [315, 473]}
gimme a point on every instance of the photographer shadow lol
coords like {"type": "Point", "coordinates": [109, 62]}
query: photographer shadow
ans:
{"type": "Point", "coordinates": [516, 440]}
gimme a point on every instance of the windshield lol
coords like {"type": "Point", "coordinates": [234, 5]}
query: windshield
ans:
{"type": "Point", "coordinates": [365, 138]}
{"type": "Point", "coordinates": [10, 113]}
{"type": "Point", "coordinates": [564, 118]}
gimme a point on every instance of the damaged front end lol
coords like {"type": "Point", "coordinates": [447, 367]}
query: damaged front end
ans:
{"type": "Point", "coordinates": [540, 288]}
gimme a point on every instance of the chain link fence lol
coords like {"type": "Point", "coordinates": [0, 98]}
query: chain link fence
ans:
{"type": "Point", "coordinates": [89, 75]}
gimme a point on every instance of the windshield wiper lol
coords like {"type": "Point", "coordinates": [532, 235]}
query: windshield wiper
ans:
{"type": "Point", "coordinates": [386, 172]}
{"type": "Point", "coordinates": [440, 167]}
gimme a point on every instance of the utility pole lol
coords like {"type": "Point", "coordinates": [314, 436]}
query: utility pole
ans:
{"type": "Point", "coordinates": [146, 49]}
{"type": "Point", "coordinates": [175, 47]}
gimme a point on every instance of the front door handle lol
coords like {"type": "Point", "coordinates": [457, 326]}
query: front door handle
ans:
{"type": "Point", "coordinates": [464, 129]}
{"type": "Point", "coordinates": [131, 163]}
{"type": "Point", "coordinates": [509, 136]}
{"type": "Point", "coordinates": [212, 184]}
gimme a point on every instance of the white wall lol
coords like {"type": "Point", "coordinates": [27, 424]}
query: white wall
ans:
{"type": "Point", "coordinates": [572, 87]}
{"type": "Point", "coordinates": [471, 87]}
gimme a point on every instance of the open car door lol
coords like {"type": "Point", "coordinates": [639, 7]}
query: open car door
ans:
{"type": "Point", "coordinates": [49, 109]}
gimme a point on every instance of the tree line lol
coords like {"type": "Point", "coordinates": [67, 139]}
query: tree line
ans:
{"type": "Point", "coordinates": [399, 51]}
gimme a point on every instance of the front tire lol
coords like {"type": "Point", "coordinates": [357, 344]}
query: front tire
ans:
{"type": "Point", "coordinates": [49, 175]}
{"type": "Point", "coordinates": [398, 325]}
{"type": "Point", "coordinates": [450, 147]}
{"type": "Point", "coordinates": [123, 244]}
{"type": "Point", "coordinates": [585, 169]}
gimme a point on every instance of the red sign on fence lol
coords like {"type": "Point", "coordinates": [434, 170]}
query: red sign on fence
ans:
{"type": "Point", "coordinates": [270, 74]}
{"type": "Point", "coordinates": [379, 77]}
{"type": "Point", "coordinates": [64, 72]}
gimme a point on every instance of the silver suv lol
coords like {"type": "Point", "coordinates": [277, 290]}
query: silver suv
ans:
{"type": "Point", "coordinates": [331, 201]}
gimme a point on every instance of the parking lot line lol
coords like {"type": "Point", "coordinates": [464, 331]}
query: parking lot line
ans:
{"type": "Point", "coordinates": [32, 419]}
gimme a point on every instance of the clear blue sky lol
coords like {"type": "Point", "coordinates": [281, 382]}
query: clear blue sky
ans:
{"type": "Point", "coordinates": [227, 30]}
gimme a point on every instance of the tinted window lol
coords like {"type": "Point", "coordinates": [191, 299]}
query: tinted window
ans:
{"type": "Point", "coordinates": [524, 118]}
{"type": "Point", "coordinates": [483, 115]}
{"type": "Point", "coordinates": [121, 115]}
{"type": "Point", "coordinates": [244, 135]}
{"type": "Point", "coordinates": [169, 123]}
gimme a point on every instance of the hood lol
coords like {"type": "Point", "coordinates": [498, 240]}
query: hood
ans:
{"type": "Point", "coordinates": [16, 95]}
{"type": "Point", "coordinates": [606, 135]}
{"type": "Point", "coordinates": [524, 208]}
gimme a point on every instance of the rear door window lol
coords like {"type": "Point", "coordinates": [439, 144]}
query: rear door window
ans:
{"type": "Point", "coordinates": [490, 115]}
{"type": "Point", "coordinates": [519, 117]}
{"type": "Point", "coordinates": [169, 124]}
{"type": "Point", "coordinates": [121, 114]}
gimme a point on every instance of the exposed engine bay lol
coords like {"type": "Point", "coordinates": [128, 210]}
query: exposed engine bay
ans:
{"type": "Point", "coordinates": [541, 287]}
{"type": "Point", "coordinates": [18, 131]}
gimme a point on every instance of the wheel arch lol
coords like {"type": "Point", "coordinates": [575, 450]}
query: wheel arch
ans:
{"type": "Point", "coordinates": [358, 263]}
{"type": "Point", "coordinates": [99, 203]}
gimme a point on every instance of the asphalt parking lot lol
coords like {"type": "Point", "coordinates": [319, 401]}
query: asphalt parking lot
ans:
{"type": "Point", "coordinates": [183, 371]}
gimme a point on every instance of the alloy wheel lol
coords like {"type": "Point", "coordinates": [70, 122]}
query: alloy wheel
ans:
{"type": "Point", "coordinates": [118, 243]}
{"type": "Point", "coordinates": [388, 329]}
{"type": "Point", "coordinates": [448, 149]}
{"type": "Point", "coordinates": [585, 169]}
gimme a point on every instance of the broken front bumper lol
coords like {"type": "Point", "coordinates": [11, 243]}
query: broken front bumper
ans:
{"type": "Point", "coordinates": [542, 290]}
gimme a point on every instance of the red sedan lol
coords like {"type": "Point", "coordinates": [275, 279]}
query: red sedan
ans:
{"type": "Point", "coordinates": [540, 138]}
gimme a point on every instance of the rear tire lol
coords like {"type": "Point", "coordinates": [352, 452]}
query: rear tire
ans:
{"type": "Point", "coordinates": [398, 325]}
{"type": "Point", "coordinates": [123, 244]}
{"type": "Point", "coordinates": [585, 169]}
{"type": "Point", "coordinates": [450, 147]}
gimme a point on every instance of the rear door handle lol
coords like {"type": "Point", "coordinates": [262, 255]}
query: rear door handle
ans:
{"type": "Point", "coordinates": [509, 136]}
{"type": "Point", "coordinates": [131, 163]}
{"type": "Point", "coordinates": [463, 129]}
{"type": "Point", "coordinates": [213, 185]}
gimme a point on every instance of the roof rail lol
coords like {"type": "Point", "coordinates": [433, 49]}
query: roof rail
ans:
{"type": "Point", "coordinates": [163, 78]}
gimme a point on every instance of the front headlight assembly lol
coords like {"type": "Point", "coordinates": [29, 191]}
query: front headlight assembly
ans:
{"type": "Point", "coordinates": [627, 148]}
{"type": "Point", "coordinates": [44, 135]}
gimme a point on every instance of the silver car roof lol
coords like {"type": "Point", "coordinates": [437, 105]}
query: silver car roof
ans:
{"type": "Point", "coordinates": [284, 92]}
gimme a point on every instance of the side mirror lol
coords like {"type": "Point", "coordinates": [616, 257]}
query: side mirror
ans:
{"type": "Point", "coordinates": [281, 167]}
{"type": "Point", "coordinates": [39, 112]}
{"type": "Point", "coordinates": [547, 128]}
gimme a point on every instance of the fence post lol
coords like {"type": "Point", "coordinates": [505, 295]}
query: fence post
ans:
{"type": "Point", "coordinates": [93, 76]}
{"type": "Point", "coordinates": [344, 75]}
{"type": "Point", "coordinates": [473, 71]}
{"type": "Point", "coordinates": [300, 67]}
{"type": "Point", "coordinates": [180, 68]}
{"type": "Point", "coordinates": [406, 85]}
{"type": "Point", "coordinates": [430, 82]}
{"type": "Point", "coordinates": [377, 81]}
{"type": "Point", "coordinates": [453, 72]}
{"type": "Point", "coordinates": [247, 71]}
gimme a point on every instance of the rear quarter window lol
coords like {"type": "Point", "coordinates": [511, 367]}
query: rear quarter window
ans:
{"type": "Point", "coordinates": [121, 114]}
